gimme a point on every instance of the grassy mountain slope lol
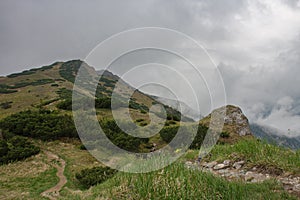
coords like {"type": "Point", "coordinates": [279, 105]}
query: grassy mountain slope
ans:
{"type": "Point", "coordinates": [50, 88]}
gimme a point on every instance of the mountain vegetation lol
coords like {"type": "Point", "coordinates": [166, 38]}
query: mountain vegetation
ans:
{"type": "Point", "coordinates": [36, 119]}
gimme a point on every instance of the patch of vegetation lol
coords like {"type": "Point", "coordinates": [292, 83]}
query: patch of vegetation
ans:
{"type": "Point", "coordinates": [5, 89]}
{"type": "Point", "coordinates": [178, 182]}
{"type": "Point", "coordinates": [121, 139]}
{"type": "Point", "coordinates": [64, 93]}
{"type": "Point", "coordinates": [69, 69]}
{"type": "Point", "coordinates": [94, 176]}
{"type": "Point", "coordinates": [134, 105]}
{"type": "Point", "coordinates": [42, 124]}
{"type": "Point", "coordinates": [6, 105]}
{"type": "Point", "coordinates": [104, 102]}
{"type": "Point", "coordinates": [44, 67]}
{"type": "Point", "coordinates": [225, 135]}
{"type": "Point", "coordinates": [139, 120]}
{"type": "Point", "coordinates": [143, 124]}
{"type": "Point", "coordinates": [65, 104]}
{"type": "Point", "coordinates": [16, 148]}
{"type": "Point", "coordinates": [26, 72]}
{"type": "Point", "coordinates": [24, 84]}
{"type": "Point", "coordinates": [257, 152]}
{"type": "Point", "coordinates": [168, 133]}
{"type": "Point", "coordinates": [47, 102]}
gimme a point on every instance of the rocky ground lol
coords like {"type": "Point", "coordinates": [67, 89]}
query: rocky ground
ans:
{"type": "Point", "coordinates": [237, 171]}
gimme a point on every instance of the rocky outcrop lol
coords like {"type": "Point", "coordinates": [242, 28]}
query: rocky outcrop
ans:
{"type": "Point", "coordinates": [235, 122]}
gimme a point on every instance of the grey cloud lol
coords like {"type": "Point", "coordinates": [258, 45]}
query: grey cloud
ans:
{"type": "Point", "coordinates": [256, 44]}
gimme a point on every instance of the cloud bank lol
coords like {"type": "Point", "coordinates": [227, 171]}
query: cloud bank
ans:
{"type": "Point", "coordinates": [255, 43]}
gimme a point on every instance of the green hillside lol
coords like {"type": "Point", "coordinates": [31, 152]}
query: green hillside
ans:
{"type": "Point", "coordinates": [42, 157]}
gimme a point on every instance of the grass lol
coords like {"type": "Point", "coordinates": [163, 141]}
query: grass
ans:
{"type": "Point", "coordinates": [29, 178]}
{"type": "Point", "coordinates": [26, 179]}
{"type": "Point", "coordinates": [259, 153]}
{"type": "Point", "coordinates": [31, 96]}
{"type": "Point", "coordinates": [178, 182]}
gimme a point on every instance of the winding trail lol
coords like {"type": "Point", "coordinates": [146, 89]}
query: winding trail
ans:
{"type": "Point", "coordinates": [59, 164]}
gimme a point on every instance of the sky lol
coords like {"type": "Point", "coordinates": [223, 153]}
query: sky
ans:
{"type": "Point", "coordinates": [254, 44]}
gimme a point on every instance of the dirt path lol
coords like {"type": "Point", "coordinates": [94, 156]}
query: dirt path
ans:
{"type": "Point", "coordinates": [59, 164]}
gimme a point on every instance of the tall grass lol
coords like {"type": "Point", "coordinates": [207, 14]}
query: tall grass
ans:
{"type": "Point", "coordinates": [178, 182]}
{"type": "Point", "coordinates": [259, 153]}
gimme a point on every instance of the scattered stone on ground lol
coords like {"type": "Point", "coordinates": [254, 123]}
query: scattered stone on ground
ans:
{"type": "Point", "coordinates": [236, 171]}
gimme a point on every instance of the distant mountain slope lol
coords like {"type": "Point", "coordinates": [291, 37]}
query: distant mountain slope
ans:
{"type": "Point", "coordinates": [273, 136]}
{"type": "Point", "coordinates": [181, 106]}
{"type": "Point", "coordinates": [48, 86]}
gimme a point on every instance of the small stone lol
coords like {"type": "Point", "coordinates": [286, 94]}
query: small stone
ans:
{"type": "Point", "coordinates": [297, 188]}
{"type": "Point", "coordinates": [188, 163]}
{"type": "Point", "coordinates": [220, 166]}
{"type": "Point", "coordinates": [249, 176]}
{"type": "Point", "coordinates": [227, 162]}
{"type": "Point", "coordinates": [238, 165]}
{"type": "Point", "coordinates": [211, 164]}
{"type": "Point", "coordinates": [223, 171]}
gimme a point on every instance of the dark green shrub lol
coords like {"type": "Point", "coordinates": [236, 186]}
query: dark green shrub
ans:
{"type": "Point", "coordinates": [65, 105]}
{"type": "Point", "coordinates": [6, 105]}
{"type": "Point", "coordinates": [3, 148]}
{"type": "Point", "coordinates": [121, 139]}
{"type": "Point", "coordinates": [42, 124]}
{"type": "Point", "coordinates": [69, 69]}
{"type": "Point", "coordinates": [139, 120]}
{"type": "Point", "coordinates": [94, 176]}
{"type": "Point", "coordinates": [224, 135]}
{"type": "Point", "coordinates": [143, 124]}
{"type": "Point", "coordinates": [168, 133]}
{"type": "Point", "coordinates": [16, 148]}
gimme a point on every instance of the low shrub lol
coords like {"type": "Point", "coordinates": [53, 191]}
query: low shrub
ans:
{"type": "Point", "coordinates": [94, 176]}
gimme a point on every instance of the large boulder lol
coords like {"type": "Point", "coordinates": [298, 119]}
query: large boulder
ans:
{"type": "Point", "coordinates": [235, 122]}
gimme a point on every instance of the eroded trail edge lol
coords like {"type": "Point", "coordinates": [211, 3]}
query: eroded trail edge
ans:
{"type": "Point", "coordinates": [59, 164]}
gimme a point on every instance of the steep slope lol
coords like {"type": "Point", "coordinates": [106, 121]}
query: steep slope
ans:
{"type": "Point", "coordinates": [181, 106]}
{"type": "Point", "coordinates": [52, 85]}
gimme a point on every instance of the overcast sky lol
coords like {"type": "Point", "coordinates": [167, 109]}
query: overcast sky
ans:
{"type": "Point", "coordinates": [254, 43]}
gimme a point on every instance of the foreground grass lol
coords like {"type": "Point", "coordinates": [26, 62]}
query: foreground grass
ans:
{"type": "Point", "coordinates": [178, 182]}
{"type": "Point", "coordinates": [26, 179]}
{"type": "Point", "coordinates": [259, 153]}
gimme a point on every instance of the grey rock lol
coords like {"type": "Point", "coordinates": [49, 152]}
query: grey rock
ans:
{"type": "Point", "coordinates": [227, 162]}
{"type": "Point", "coordinates": [296, 188]}
{"type": "Point", "coordinates": [238, 165]}
{"type": "Point", "coordinates": [220, 166]}
{"type": "Point", "coordinates": [211, 164]}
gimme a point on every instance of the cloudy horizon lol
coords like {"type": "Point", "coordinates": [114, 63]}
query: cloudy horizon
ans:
{"type": "Point", "coordinates": [255, 44]}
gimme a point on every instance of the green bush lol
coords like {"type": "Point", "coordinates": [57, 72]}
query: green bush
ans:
{"type": "Point", "coordinates": [65, 105]}
{"type": "Point", "coordinates": [69, 69]}
{"type": "Point", "coordinates": [121, 139]}
{"type": "Point", "coordinates": [42, 124]}
{"type": "Point", "coordinates": [94, 176]}
{"type": "Point", "coordinates": [139, 120]}
{"type": "Point", "coordinates": [6, 105]}
{"type": "Point", "coordinates": [168, 133]}
{"type": "Point", "coordinates": [16, 148]}
{"type": "Point", "coordinates": [224, 135]}
{"type": "Point", "coordinates": [5, 89]}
